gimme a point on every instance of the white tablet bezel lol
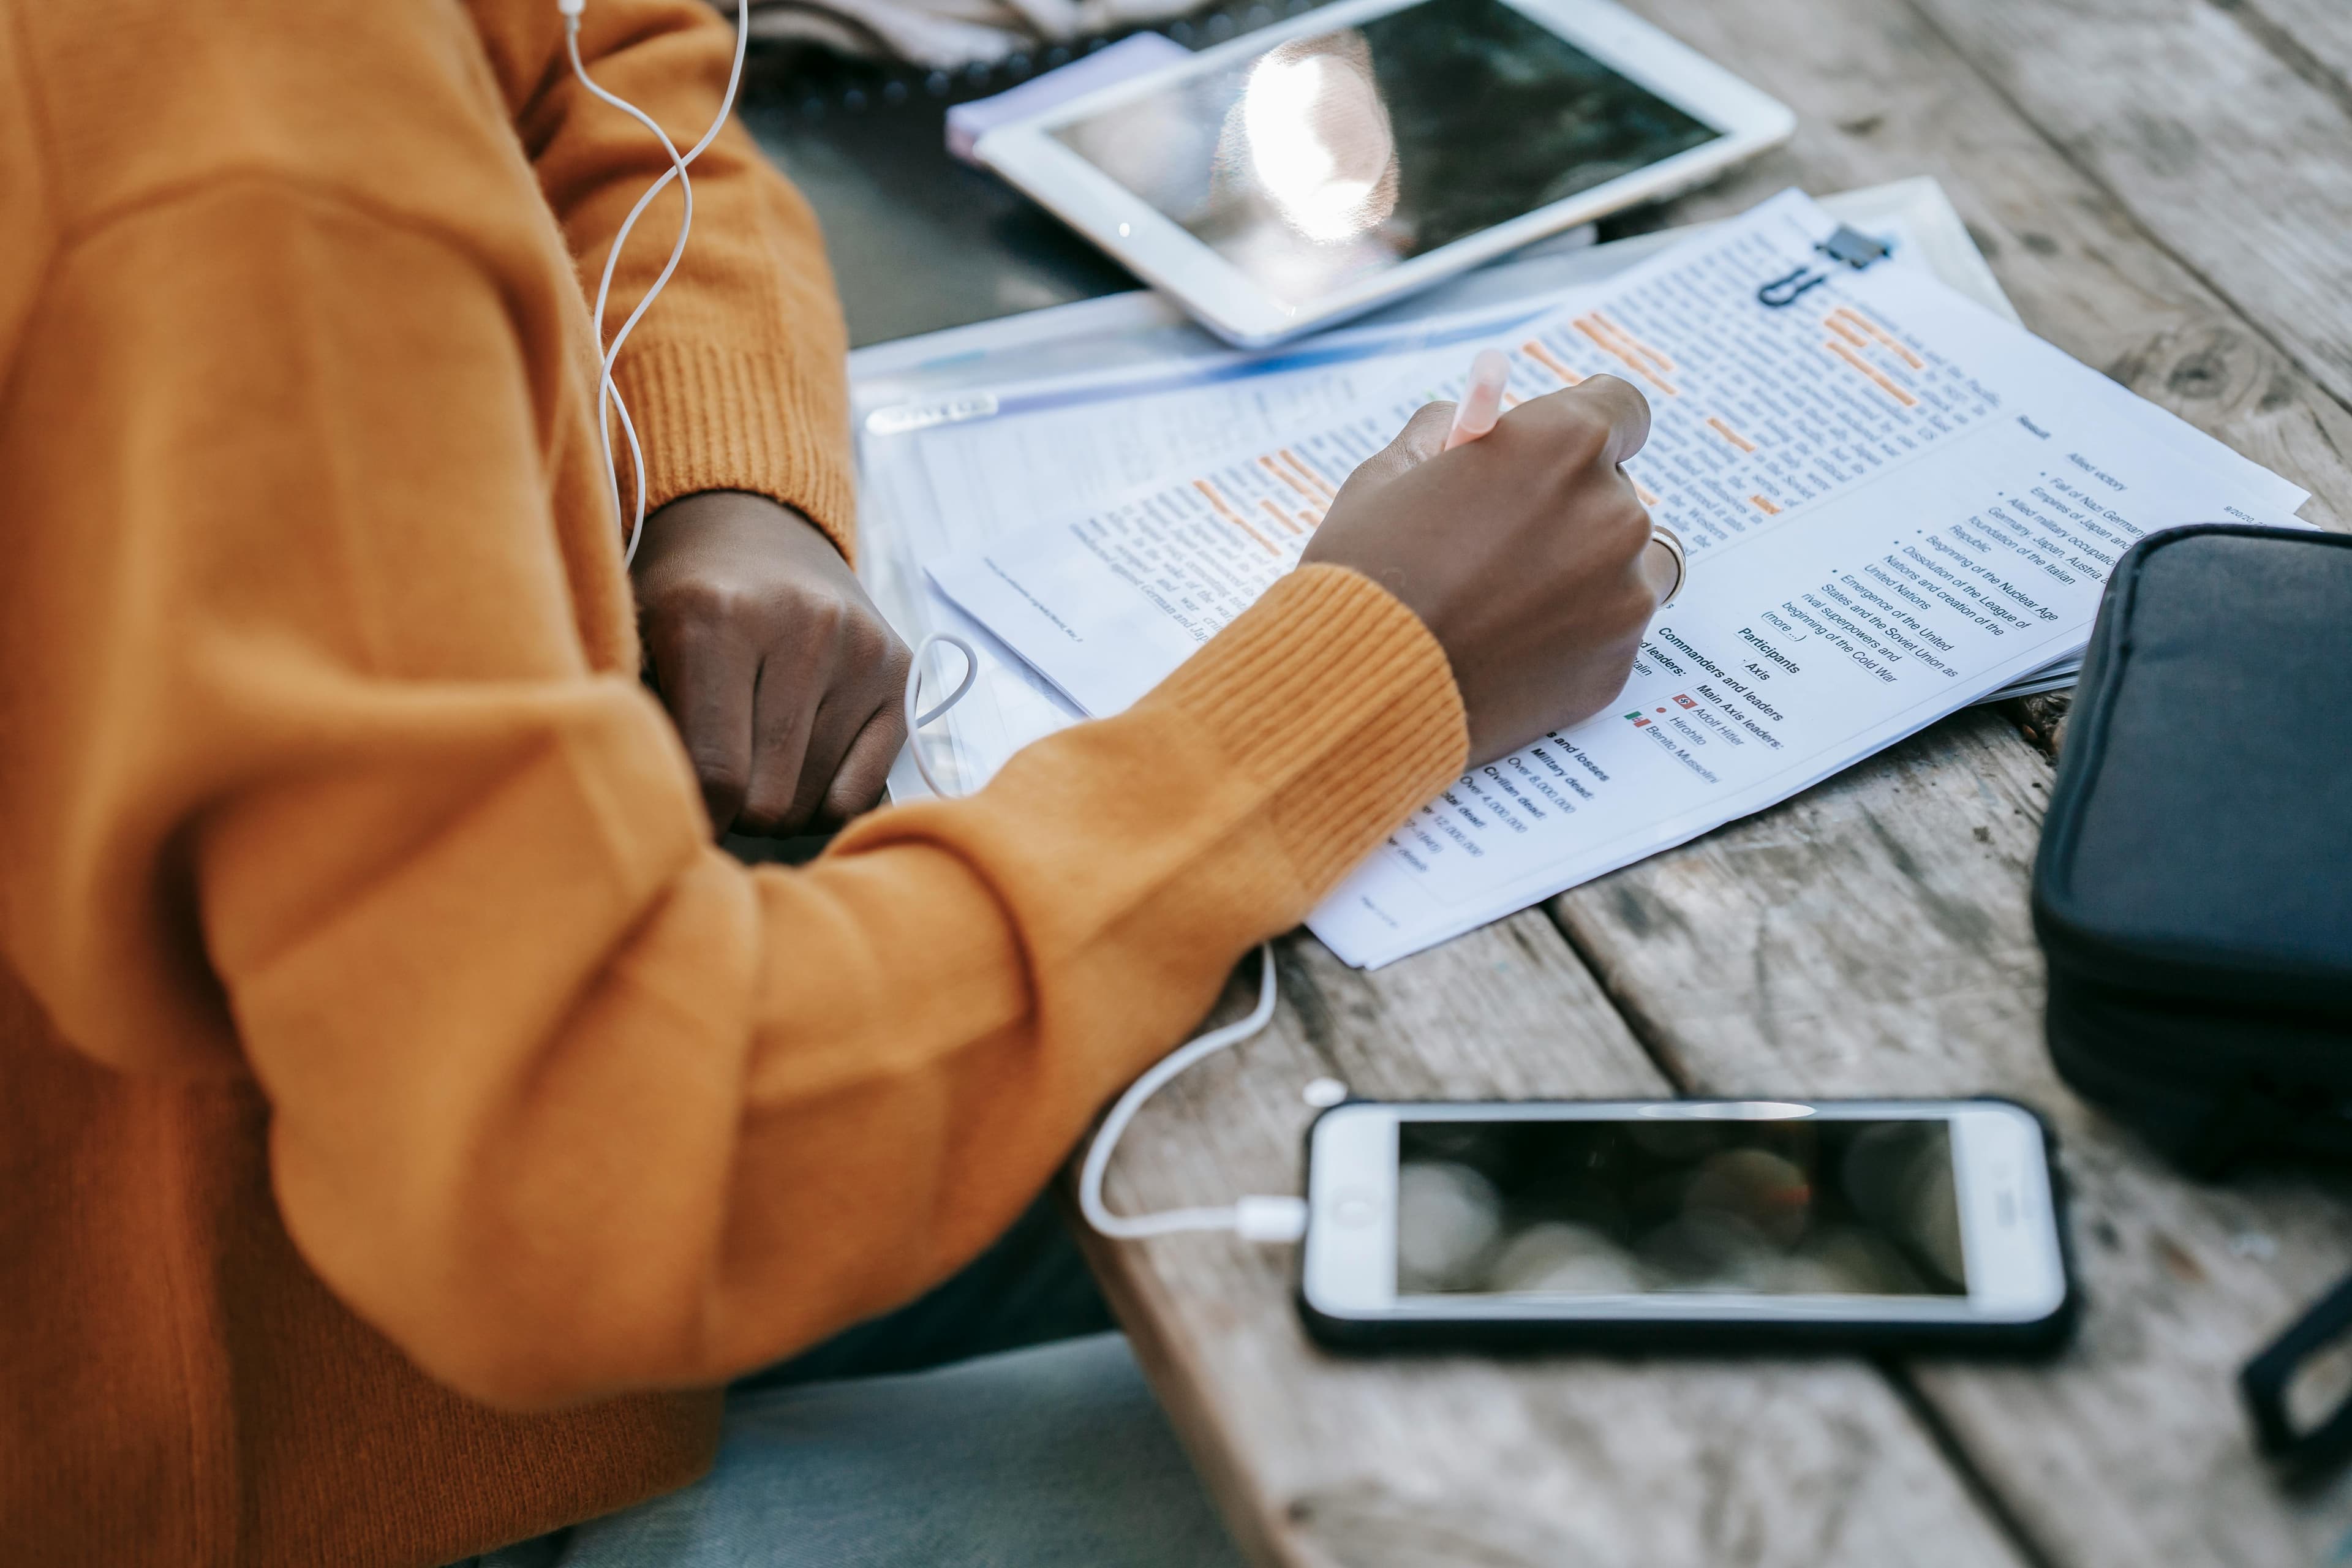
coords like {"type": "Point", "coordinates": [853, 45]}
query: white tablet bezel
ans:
{"type": "Point", "coordinates": [1226, 300]}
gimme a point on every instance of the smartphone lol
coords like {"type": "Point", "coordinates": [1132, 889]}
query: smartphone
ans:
{"type": "Point", "coordinates": [1687, 1222]}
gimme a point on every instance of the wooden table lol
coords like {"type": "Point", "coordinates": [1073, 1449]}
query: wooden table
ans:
{"type": "Point", "coordinates": [2165, 189]}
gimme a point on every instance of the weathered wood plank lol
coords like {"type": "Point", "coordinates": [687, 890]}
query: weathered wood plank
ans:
{"type": "Point", "coordinates": [1460, 1462]}
{"type": "Point", "coordinates": [2235, 162]}
{"type": "Point", "coordinates": [2314, 37]}
{"type": "Point", "coordinates": [1872, 937]}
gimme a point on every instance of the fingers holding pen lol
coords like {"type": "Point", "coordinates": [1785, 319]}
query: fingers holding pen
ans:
{"type": "Point", "coordinates": [1600, 421]}
{"type": "Point", "coordinates": [1522, 552]}
{"type": "Point", "coordinates": [1624, 409]}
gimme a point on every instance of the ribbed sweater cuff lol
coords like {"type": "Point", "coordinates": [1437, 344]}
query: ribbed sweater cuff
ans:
{"type": "Point", "coordinates": [712, 419]}
{"type": "Point", "coordinates": [1335, 697]}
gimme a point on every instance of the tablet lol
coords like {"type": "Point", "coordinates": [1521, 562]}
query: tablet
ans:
{"type": "Point", "coordinates": [1315, 169]}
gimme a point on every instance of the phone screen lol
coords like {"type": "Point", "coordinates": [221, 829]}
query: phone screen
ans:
{"type": "Point", "coordinates": [1816, 1207]}
{"type": "Point", "coordinates": [1328, 158]}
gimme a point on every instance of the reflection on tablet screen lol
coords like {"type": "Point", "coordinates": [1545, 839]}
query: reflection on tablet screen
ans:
{"type": "Point", "coordinates": [1328, 158]}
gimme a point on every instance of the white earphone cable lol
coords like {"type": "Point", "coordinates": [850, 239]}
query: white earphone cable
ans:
{"type": "Point", "coordinates": [915, 722]}
{"type": "Point", "coordinates": [1258, 1218]}
{"type": "Point", "coordinates": [608, 393]}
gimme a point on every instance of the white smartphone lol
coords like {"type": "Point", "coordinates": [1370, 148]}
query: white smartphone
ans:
{"type": "Point", "coordinates": [1841, 1222]}
{"type": "Point", "coordinates": [1312, 171]}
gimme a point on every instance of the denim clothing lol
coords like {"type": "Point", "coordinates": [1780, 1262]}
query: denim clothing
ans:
{"type": "Point", "coordinates": [942, 1435]}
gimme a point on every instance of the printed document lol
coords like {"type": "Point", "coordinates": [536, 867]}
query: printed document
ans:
{"type": "Point", "coordinates": [969, 434]}
{"type": "Point", "coordinates": [1894, 503]}
{"type": "Point", "coordinates": [971, 464]}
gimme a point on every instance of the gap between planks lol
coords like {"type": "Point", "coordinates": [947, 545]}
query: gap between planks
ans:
{"type": "Point", "coordinates": [2312, 38]}
{"type": "Point", "coordinates": [1656, 1044]}
{"type": "Point", "coordinates": [2229, 158]}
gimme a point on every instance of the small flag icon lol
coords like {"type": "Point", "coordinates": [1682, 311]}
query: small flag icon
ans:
{"type": "Point", "coordinates": [1685, 701]}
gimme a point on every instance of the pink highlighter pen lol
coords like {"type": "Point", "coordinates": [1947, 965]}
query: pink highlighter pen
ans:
{"type": "Point", "coordinates": [1482, 400]}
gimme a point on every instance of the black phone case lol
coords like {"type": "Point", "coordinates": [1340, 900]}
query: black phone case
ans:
{"type": "Point", "coordinates": [2041, 1337]}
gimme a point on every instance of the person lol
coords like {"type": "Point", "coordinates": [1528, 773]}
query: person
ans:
{"type": "Point", "coordinates": [410, 1119]}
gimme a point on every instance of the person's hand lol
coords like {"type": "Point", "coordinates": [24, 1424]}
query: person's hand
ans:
{"type": "Point", "coordinates": [1526, 553]}
{"type": "Point", "coordinates": [784, 679]}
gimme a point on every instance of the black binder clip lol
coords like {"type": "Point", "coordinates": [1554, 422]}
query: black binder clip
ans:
{"type": "Point", "coordinates": [2305, 1447]}
{"type": "Point", "coordinates": [1848, 245]}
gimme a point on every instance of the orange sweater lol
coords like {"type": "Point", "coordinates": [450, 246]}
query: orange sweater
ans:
{"type": "Point", "coordinates": [398, 1091]}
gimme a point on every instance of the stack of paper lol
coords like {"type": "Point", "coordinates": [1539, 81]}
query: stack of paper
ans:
{"type": "Point", "coordinates": [967, 435]}
{"type": "Point", "coordinates": [1896, 503]}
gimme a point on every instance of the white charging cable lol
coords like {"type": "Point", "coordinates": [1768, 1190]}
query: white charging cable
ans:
{"type": "Point", "coordinates": [915, 721]}
{"type": "Point", "coordinates": [1257, 1217]}
{"type": "Point", "coordinates": [609, 402]}
{"type": "Point", "coordinates": [1270, 1217]}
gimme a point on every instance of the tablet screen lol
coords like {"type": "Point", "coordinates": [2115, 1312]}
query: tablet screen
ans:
{"type": "Point", "coordinates": [1330, 157]}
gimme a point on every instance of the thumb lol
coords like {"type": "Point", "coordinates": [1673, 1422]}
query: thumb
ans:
{"type": "Point", "coordinates": [1423, 437]}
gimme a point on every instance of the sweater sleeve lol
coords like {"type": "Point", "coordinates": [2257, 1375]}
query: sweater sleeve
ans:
{"type": "Point", "coordinates": [307, 777]}
{"type": "Point", "coordinates": [735, 378]}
